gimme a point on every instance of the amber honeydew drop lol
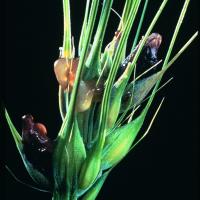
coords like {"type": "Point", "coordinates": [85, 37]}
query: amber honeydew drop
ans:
{"type": "Point", "coordinates": [65, 71]}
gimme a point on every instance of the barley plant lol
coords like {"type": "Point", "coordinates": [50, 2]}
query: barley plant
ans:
{"type": "Point", "coordinates": [105, 93]}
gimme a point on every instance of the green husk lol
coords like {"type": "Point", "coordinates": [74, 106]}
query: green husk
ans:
{"type": "Point", "coordinates": [94, 190]}
{"type": "Point", "coordinates": [117, 148]}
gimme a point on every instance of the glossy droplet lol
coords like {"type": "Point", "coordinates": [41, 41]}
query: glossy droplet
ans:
{"type": "Point", "coordinates": [72, 65]}
{"type": "Point", "coordinates": [88, 93]}
{"type": "Point", "coordinates": [98, 92]}
{"type": "Point", "coordinates": [60, 69]}
{"type": "Point", "coordinates": [27, 122]}
{"type": "Point", "coordinates": [65, 71]}
{"type": "Point", "coordinates": [40, 128]}
{"type": "Point", "coordinates": [126, 97]}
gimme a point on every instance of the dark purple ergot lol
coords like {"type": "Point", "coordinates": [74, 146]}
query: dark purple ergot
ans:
{"type": "Point", "coordinates": [152, 45]}
{"type": "Point", "coordinates": [148, 56]}
{"type": "Point", "coordinates": [38, 147]}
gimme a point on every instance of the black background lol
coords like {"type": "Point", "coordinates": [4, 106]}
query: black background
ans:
{"type": "Point", "coordinates": [165, 165]}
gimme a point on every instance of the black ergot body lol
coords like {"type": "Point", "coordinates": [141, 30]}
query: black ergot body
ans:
{"type": "Point", "coordinates": [148, 56]}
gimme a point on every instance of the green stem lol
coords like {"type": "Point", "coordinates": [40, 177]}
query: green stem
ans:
{"type": "Point", "coordinates": [179, 23]}
{"type": "Point", "coordinates": [67, 49]}
{"type": "Point", "coordinates": [125, 14]}
{"type": "Point", "coordinates": [140, 25]}
{"type": "Point", "coordinates": [182, 50]}
{"type": "Point", "coordinates": [84, 28]}
{"type": "Point", "coordinates": [98, 39]}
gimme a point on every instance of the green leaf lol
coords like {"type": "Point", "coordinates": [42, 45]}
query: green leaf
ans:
{"type": "Point", "coordinates": [61, 176]}
{"type": "Point", "coordinates": [23, 183]}
{"type": "Point", "coordinates": [94, 190]}
{"type": "Point", "coordinates": [71, 161]}
{"type": "Point", "coordinates": [36, 175]}
{"type": "Point", "coordinates": [143, 87]}
{"type": "Point", "coordinates": [78, 147]}
{"type": "Point", "coordinates": [139, 89]}
{"type": "Point", "coordinates": [16, 136]}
